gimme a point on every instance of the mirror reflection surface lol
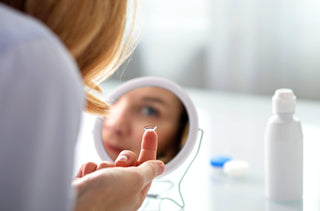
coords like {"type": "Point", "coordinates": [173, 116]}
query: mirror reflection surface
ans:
{"type": "Point", "coordinates": [123, 128]}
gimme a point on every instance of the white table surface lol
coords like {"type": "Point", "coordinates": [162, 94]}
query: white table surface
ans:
{"type": "Point", "coordinates": [233, 125]}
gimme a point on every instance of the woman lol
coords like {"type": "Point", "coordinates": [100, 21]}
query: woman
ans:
{"type": "Point", "coordinates": [138, 108]}
{"type": "Point", "coordinates": [49, 52]}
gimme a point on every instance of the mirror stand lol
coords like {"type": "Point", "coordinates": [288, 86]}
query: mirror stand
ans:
{"type": "Point", "coordinates": [163, 188]}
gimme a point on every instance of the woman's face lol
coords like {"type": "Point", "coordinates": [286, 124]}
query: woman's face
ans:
{"type": "Point", "coordinates": [123, 128]}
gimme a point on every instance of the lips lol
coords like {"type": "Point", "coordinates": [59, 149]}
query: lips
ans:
{"type": "Point", "coordinates": [113, 149]}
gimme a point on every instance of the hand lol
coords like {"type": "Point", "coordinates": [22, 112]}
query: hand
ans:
{"type": "Point", "coordinates": [126, 158]}
{"type": "Point", "coordinates": [119, 188]}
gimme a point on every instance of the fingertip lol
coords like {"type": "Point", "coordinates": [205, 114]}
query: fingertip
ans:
{"type": "Point", "coordinates": [152, 169]}
{"type": "Point", "coordinates": [105, 164]}
{"type": "Point", "coordinates": [126, 158]}
{"type": "Point", "coordinates": [161, 168]}
{"type": "Point", "coordinates": [88, 168]}
{"type": "Point", "coordinates": [149, 146]}
{"type": "Point", "coordinates": [149, 140]}
{"type": "Point", "coordinates": [122, 161]}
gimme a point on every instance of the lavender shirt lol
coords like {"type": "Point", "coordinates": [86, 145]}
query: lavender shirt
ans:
{"type": "Point", "coordinates": [41, 101]}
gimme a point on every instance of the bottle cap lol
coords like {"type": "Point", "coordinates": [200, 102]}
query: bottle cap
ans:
{"type": "Point", "coordinates": [283, 101]}
{"type": "Point", "coordinates": [219, 161]}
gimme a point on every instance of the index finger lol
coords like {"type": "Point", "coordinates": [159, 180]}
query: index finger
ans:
{"type": "Point", "coordinates": [149, 146]}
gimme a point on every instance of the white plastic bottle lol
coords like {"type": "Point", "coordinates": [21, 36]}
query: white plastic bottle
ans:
{"type": "Point", "coordinates": [283, 150]}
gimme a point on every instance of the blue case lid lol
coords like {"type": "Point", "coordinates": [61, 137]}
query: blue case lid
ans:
{"type": "Point", "coordinates": [219, 161]}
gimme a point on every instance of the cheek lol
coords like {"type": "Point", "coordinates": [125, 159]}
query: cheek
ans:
{"type": "Point", "coordinates": [105, 134]}
{"type": "Point", "coordinates": [135, 139]}
{"type": "Point", "coordinates": [106, 127]}
{"type": "Point", "coordinates": [166, 138]}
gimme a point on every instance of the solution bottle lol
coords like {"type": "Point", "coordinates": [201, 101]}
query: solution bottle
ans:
{"type": "Point", "coordinates": [283, 150]}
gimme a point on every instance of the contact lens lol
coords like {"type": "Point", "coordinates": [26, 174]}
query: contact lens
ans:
{"type": "Point", "coordinates": [150, 128]}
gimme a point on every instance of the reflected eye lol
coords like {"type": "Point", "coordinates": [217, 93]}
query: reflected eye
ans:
{"type": "Point", "coordinates": [149, 111]}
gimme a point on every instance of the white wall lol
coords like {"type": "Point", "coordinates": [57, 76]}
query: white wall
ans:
{"type": "Point", "coordinates": [251, 46]}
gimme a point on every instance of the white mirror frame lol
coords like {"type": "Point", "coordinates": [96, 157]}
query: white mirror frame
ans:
{"type": "Point", "coordinates": [155, 82]}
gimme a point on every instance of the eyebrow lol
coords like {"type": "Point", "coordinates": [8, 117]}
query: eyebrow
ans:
{"type": "Point", "coordinates": [154, 99]}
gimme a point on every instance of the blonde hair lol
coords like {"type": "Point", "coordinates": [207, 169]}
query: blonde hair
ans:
{"type": "Point", "coordinates": [93, 31]}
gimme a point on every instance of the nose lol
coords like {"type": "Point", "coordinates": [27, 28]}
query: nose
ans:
{"type": "Point", "coordinates": [118, 121]}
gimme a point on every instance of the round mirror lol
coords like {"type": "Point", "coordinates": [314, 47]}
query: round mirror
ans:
{"type": "Point", "coordinates": [148, 101]}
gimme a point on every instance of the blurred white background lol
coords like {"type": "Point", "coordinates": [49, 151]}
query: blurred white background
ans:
{"type": "Point", "coordinates": [248, 46]}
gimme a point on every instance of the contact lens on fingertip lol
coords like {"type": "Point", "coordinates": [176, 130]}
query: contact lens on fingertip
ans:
{"type": "Point", "coordinates": [150, 128]}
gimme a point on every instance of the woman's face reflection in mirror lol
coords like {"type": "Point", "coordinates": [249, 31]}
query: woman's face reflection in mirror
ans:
{"type": "Point", "coordinates": [123, 128]}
